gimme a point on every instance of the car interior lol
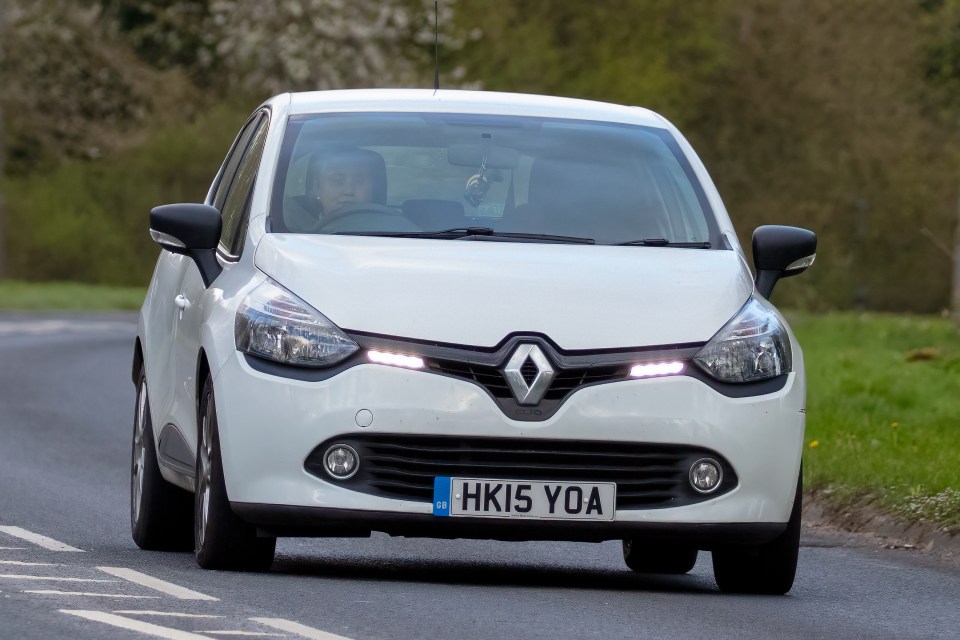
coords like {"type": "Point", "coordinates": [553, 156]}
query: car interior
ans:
{"type": "Point", "coordinates": [433, 180]}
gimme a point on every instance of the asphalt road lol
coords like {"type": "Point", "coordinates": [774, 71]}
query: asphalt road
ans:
{"type": "Point", "coordinates": [66, 406]}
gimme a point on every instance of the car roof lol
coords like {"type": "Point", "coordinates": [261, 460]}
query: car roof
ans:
{"type": "Point", "coordinates": [473, 102]}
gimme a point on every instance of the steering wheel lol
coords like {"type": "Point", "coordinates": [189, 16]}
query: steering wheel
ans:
{"type": "Point", "coordinates": [357, 209]}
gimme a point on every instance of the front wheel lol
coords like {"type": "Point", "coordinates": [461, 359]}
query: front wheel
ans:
{"type": "Point", "coordinates": [767, 569]}
{"type": "Point", "coordinates": [221, 539]}
{"type": "Point", "coordinates": [160, 514]}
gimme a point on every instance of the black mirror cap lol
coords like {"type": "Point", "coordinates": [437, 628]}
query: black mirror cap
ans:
{"type": "Point", "coordinates": [780, 252]}
{"type": "Point", "coordinates": [192, 230]}
{"type": "Point", "coordinates": [775, 248]}
{"type": "Point", "coordinates": [186, 226]}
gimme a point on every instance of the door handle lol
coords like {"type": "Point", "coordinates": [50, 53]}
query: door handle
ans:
{"type": "Point", "coordinates": [181, 302]}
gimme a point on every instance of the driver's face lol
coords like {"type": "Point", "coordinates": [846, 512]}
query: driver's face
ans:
{"type": "Point", "coordinates": [343, 182]}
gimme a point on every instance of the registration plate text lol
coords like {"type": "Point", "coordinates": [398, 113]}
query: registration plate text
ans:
{"type": "Point", "coordinates": [524, 499]}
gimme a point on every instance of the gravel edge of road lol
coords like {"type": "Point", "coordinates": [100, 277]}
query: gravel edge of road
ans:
{"type": "Point", "coordinates": [827, 524]}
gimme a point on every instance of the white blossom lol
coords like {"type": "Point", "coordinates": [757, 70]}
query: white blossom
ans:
{"type": "Point", "coordinates": [323, 44]}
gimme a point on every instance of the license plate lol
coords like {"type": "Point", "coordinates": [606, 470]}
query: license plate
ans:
{"type": "Point", "coordinates": [478, 497]}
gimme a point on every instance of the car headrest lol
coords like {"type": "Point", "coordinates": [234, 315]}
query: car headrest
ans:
{"type": "Point", "coordinates": [574, 182]}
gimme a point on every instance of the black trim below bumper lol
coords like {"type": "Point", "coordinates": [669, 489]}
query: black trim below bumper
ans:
{"type": "Point", "coordinates": [287, 521]}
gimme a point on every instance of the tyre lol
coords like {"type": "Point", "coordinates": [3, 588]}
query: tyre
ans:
{"type": "Point", "coordinates": [658, 559]}
{"type": "Point", "coordinates": [161, 514]}
{"type": "Point", "coordinates": [221, 539]}
{"type": "Point", "coordinates": [766, 568]}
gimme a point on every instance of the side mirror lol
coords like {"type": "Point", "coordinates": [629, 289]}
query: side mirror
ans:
{"type": "Point", "coordinates": [781, 252]}
{"type": "Point", "coordinates": [192, 230]}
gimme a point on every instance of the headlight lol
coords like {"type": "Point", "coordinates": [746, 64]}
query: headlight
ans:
{"type": "Point", "coordinates": [273, 323]}
{"type": "Point", "coordinates": [753, 346]}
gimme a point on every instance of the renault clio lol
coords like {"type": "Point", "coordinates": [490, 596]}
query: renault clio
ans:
{"type": "Point", "coordinates": [468, 315]}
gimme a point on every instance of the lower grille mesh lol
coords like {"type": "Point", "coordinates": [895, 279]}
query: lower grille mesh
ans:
{"type": "Point", "coordinates": [404, 466]}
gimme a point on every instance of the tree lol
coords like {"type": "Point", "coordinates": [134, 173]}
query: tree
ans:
{"type": "Point", "coordinates": [167, 33]}
{"type": "Point", "coordinates": [321, 44]}
{"type": "Point", "coordinates": [660, 54]}
{"type": "Point", "coordinates": [3, 217]}
{"type": "Point", "coordinates": [71, 87]}
{"type": "Point", "coordinates": [942, 71]}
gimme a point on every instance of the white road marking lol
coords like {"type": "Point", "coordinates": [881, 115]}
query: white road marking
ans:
{"type": "Point", "coordinates": [247, 633]}
{"type": "Point", "coordinates": [12, 548]}
{"type": "Point", "coordinates": [135, 625]}
{"type": "Point", "coordinates": [157, 584]}
{"type": "Point", "coordinates": [300, 629]}
{"type": "Point", "coordinates": [54, 592]}
{"type": "Point", "coordinates": [37, 539]}
{"type": "Point", "coordinates": [30, 564]}
{"type": "Point", "coordinates": [21, 576]}
{"type": "Point", "coordinates": [172, 614]}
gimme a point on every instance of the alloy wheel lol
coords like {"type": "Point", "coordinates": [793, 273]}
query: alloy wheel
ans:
{"type": "Point", "coordinates": [206, 471]}
{"type": "Point", "coordinates": [139, 453]}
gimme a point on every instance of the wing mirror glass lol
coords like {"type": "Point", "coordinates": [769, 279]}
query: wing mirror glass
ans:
{"type": "Point", "coordinates": [192, 230]}
{"type": "Point", "coordinates": [781, 252]}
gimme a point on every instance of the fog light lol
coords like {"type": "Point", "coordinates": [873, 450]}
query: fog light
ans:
{"type": "Point", "coordinates": [341, 461]}
{"type": "Point", "coordinates": [705, 475]}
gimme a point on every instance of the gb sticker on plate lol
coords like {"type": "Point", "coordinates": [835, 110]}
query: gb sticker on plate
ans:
{"type": "Point", "coordinates": [441, 496]}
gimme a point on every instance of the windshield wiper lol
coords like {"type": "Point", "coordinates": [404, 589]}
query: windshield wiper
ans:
{"type": "Point", "coordinates": [663, 242]}
{"type": "Point", "coordinates": [471, 233]}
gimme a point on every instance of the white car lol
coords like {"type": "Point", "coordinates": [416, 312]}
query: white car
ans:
{"type": "Point", "coordinates": [468, 315]}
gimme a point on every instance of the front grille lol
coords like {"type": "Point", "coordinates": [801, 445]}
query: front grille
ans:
{"type": "Point", "coordinates": [564, 383]}
{"type": "Point", "coordinates": [573, 369]}
{"type": "Point", "coordinates": [404, 466]}
{"type": "Point", "coordinates": [569, 380]}
{"type": "Point", "coordinates": [489, 378]}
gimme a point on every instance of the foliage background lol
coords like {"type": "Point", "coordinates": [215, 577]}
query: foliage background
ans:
{"type": "Point", "coordinates": [837, 115]}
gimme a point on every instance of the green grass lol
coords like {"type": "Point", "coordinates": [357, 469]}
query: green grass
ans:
{"type": "Point", "coordinates": [883, 412]}
{"type": "Point", "coordinates": [68, 296]}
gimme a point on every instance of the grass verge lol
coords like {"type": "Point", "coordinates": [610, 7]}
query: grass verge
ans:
{"type": "Point", "coordinates": [68, 296]}
{"type": "Point", "coordinates": [883, 412]}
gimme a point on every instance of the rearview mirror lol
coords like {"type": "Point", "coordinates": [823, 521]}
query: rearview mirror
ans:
{"type": "Point", "coordinates": [192, 230]}
{"type": "Point", "coordinates": [781, 252]}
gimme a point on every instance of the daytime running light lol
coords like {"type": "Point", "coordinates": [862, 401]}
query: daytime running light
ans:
{"type": "Point", "coordinates": [395, 359]}
{"type": "Point", "coordinates": [656, 369]}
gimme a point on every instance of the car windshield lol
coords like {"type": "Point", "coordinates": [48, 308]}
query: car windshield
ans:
{"type": "Point", "coordinates": [488, 177]}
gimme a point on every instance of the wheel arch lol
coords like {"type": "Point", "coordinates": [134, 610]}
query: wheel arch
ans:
{"type": "Point", "coordinates": [203, 370]}
{"type": "Point", "coordinates": [137, 361]}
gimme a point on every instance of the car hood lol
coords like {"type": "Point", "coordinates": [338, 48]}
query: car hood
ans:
{"type": "Point", "coordinates": [476, 293]}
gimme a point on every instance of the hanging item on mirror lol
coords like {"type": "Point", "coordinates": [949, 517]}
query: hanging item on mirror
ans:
{"type": "Point", "coordinates": [479, 183]}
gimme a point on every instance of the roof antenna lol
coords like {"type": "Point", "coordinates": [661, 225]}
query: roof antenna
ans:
{"type": "Point", "coordinates": [436, 47]}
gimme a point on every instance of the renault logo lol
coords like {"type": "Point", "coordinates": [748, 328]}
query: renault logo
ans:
{"type": "Point", "coordinates": [529, 374]}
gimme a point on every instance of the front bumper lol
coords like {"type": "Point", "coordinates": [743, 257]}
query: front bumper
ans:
{"type": "Point", "coordinates": [269, 425]}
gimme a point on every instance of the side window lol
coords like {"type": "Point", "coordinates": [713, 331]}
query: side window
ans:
{"type": "Point", "coordinates": [230, 164]}
{"type": "Point", "coordinates": [236, 204]}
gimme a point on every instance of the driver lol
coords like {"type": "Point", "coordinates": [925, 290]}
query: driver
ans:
{"type": "Point", "coordinates": [338, 178]}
